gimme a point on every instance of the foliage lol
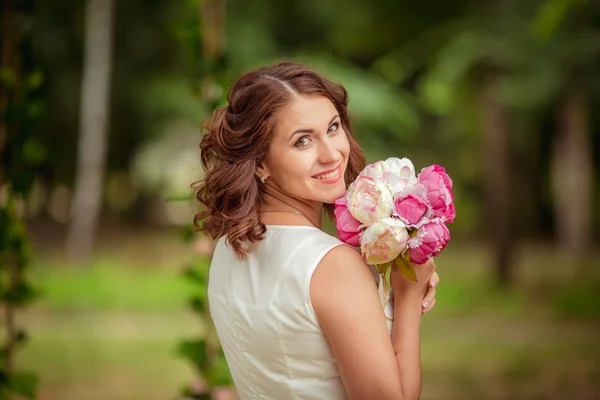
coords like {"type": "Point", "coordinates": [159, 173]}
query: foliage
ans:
{"type": "Point", "coordinates": [20, 153]}
{"type": "Point", "coordinates": [411, 82]}
{"type": "Point", "coordinates": [411, 69]}
{"type": "Point", "coordinates": [533, 53]}
{"type": "Point", "coordinates": [208, 74]}
{"type": "Point", "coordinates": [204, 353]}
{"type": "Point", "coordinates": [145, 52]}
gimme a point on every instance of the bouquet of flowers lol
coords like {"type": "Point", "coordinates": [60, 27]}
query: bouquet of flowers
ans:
{"type": "Point", "coordinates": [396, 217]}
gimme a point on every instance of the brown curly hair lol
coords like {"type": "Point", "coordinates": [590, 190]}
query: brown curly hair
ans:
{"type": "Point", "coordinates": [236, 141]}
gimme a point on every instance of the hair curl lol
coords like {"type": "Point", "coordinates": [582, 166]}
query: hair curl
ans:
{"type": "Point", "coordinates": [236, 141]}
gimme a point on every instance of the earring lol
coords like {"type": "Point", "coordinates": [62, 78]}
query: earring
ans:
{"type": "Point", "coordinates": [263, 179]}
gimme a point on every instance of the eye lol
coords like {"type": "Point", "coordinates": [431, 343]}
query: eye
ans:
{"type": "Point", "coordinates": [334, 127]}
{"type": "Point", "coordinates": [303, 141]}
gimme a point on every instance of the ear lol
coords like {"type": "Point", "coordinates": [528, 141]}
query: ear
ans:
{"type": "Point", "coordinates": [262, 171]}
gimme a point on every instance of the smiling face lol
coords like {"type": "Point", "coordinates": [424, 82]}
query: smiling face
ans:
{"type": "Point", "coordinates": [309, 150]}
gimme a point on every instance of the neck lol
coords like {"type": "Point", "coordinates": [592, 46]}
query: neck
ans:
{"type": "Point", "coordinates": [276, 199]}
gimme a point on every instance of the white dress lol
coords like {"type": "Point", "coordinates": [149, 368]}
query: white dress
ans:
{"type": "Point", "coordinates": [261, 308]}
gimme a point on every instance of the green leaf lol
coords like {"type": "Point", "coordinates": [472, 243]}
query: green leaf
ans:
{"type": "Point", "coordinates": [4, 229]}
{"type": "Point", "coordinates": [20, 295]}
{"type": "Point", "coordinates": [21, 337]}
{"type": "Point", "coordinates": [35, 79]}
{"type": "Point", "coordinates": [195, 352]}
{"type": "Point", "coordinates": [33, 152]}
{"type": "Point", "coordinates": [196, 275]}
{"type": "Point", "coordinates": [3, 378]}
{"type": "Point", "coordinates": [193, 394]}
{"type": "Point", "coordinates": [219, 374]}
{"type": "Point", "coordinates": [8, 77]}
{"type": "Point", "coordinates": [406, 268]}
{"type": "Point", "coordinates": [550, 15]}
{"type": "Point", "coordinates": [24, 384]}
{"type": "Point", "coordinates": [187, 233]}
{"type": "Point", "coordinates": [198, 304]}
{"type": "Point", "coordinates": [382, 268]}
{"type": "Point", "coordinates": [34, 109]}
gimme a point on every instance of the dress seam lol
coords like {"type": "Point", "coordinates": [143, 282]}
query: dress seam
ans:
{"type": "Point", "coordinates": [241, 343]}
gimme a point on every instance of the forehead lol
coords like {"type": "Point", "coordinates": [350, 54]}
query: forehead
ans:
{"type": "Point", "coordinates": [304, 112]}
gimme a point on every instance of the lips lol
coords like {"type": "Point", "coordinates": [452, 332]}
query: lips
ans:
{"type": "Point", "coordinates": [330, 176]}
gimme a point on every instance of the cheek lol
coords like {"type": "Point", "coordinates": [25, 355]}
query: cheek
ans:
{"type": "Point", "coordinates": [292, 168]}
{"type": "Point", "coordinates": [344, 146]}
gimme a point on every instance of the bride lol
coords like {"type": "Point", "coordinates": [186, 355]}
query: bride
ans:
{"type": "Point", "coordinates": [298, 313]}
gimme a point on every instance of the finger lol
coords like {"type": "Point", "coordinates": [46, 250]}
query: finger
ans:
{"type": "Point", "coordinates": [431, 266]}
{"type": "Point", "coordinates": [434, 280]}
{"type": "Point", "coordinates": [431, 262]}
{"type": "Point", "coordinates": [430, 307]}
{"type": "Point", "coordinates": [429, 298]}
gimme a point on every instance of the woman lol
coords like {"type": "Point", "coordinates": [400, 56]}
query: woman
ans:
{"type": "Point", "coordinates": [298, 312]}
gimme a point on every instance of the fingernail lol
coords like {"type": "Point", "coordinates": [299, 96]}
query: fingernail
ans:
{"type": "Point", "coordinates": [425, 304]}
{"type": "Point", "coordinates": [434, 284]}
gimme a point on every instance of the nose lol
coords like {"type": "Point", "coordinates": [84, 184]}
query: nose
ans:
{"type": "Point", "coordinates": [329, 153]}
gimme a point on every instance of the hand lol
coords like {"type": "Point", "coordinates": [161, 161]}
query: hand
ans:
{"type": "Point", "coordinates": [429, 299]}
{"type": "Point", "coordinates": [403, 287]}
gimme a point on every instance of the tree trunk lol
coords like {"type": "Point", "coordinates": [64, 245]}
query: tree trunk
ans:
{"type": "Point", "coordinates": [572, 176]}
{"type": "Point", "coordinates": [497, 181]}
{"type": "Point", "coordinates": [87, 196]}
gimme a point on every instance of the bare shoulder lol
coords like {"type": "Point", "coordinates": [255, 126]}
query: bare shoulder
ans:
{"type": "Point", "coordinates": [343, 259]}
{"type": "Point", "coordinates": [340, 276]}
{"type": "Point", "coordinates": [340, 270]}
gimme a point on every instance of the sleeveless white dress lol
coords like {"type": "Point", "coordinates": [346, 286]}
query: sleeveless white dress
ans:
{"type": "Point", "coordinates": [261, 308]}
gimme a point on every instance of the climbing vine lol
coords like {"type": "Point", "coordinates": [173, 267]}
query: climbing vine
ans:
{"type": "Point", "coordinates": [202, 38]}
{"type": "Point", "coordinates": [20, 153]}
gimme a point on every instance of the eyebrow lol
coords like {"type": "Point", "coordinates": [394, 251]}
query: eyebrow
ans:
{"type": "Point", "coordinates": [311, 130]}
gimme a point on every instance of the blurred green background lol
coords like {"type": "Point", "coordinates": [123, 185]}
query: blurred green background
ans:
{"type": "Point", "coordinates": [101, 103]}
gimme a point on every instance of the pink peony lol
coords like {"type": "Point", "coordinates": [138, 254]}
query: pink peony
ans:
{"type": "Point", "coordinates": [411, 209]}
{"type": "Point", "coordinates": [369, 200]}
{"type": "Point", "coordinates": [397, 174]}
{"type": "Point", "coordinates": [347, 226]}
{"type": "Point", "coordinates": [383, 241]}
{"type": "Point", "coordinates": [429, 241]}
{"type": "Point", "coordinates": [439, 192]}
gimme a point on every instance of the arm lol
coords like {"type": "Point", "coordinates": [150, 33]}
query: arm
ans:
{"type": "Point", "coordinates": [372, 365]}
{"type": "Point", "coordinates": [406, 338]}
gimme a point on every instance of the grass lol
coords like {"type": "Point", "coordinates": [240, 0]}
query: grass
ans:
{"type": "Point", "coordinates": [107, 285]}
{"type": "Point", "coordinates": [110, 331]}
{"type": "Point", "coordinates": [107, 355]}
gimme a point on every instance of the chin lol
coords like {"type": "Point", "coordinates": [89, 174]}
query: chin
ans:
{"type": "Point", "coordinates": [333, 195]}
